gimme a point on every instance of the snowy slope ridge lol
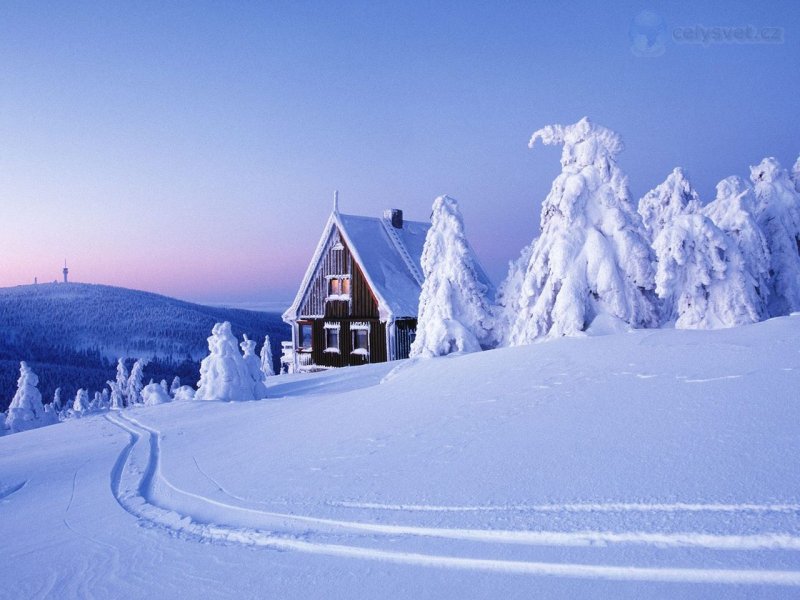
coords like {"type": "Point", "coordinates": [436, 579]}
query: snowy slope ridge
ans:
{"type": "Point", "coordinates": [68, 331]}
{"type": "Point", "coordinates": [655, 463]}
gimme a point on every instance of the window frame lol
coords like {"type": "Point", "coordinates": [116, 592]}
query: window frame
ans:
{"type": "Point", "coordinates": [358, 329]}
{"type": "Point", "coordinates": [343, 285]}
{"type": "Point", "coordinates": [329, 329]}
{"type": "Point", "coordinates": [301, 326]}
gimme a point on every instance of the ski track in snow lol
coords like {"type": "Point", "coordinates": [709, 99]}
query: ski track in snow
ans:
{"type": "Point", "coordinates": [608, 507]}
{"type": "Point", "coordinates": [12, 489]}
{"type": "Point", "coordinates": [141, 489]}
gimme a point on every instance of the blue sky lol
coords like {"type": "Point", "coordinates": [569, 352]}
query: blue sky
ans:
{"type": "Point", "coordinates": [193, 148]}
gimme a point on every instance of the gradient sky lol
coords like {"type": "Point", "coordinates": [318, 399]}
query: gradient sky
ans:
{"type": "Point", "coordinates": [192, 148]}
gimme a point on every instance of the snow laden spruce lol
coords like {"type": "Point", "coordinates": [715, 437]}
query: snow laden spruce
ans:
{"type": "Point", "coordinates": [778, 215]}
{"type": "Point", "coordinates": [454, 313]}
{"type": "Point", "coordinates": [674, 197]}
{"type": "Point", "coordinates": [733, 211]}
{"type": "Point", "coordinates": [701, 276]}
{"type": "Point", "coordinates": [592, 257]}
{"type": "Point", "coordinates": [26, 410]}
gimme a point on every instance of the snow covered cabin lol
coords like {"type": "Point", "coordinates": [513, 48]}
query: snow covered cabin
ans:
{"type": "Point", "coordinates": [359, 298]}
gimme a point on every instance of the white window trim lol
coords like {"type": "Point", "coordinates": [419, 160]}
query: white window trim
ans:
{"type": "Point", "coordinates": [336, 297]}
{"type": "Point", "coordinates": [355, 327]}
{"type": "Point", "coordinates": [337, 326]}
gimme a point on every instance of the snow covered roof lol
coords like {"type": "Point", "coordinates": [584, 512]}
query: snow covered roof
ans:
{"type": "Point", "coordinates": [389, 258]}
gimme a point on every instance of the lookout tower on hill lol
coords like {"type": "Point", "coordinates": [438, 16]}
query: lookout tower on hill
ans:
{"type": "Point", "coordinates": [65, 271]}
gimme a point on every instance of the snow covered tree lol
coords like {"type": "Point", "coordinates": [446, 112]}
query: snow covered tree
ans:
{"type": "Point", "coordinates": [104, 401]}
{"type": "Point", "coordinates": [592, 257]}
{"type": "Point", "coordinates": [253, 364]}
{"type": "Point", "coordinates": [796, 174]}
{"type": "Point", "coordinates": [121, 381]}
{"type": "Point", "coordinates": [223, 373]}
{"type": "Point", "coordinates": [176, 383]}
{"type": "Point", "coordinates": [155, 393]}
{"type": "Point", "coordinates": [701, 276]}
{"type": "Point", "coordinates": [117, 400]}
{"type": "Point", "coordinates": [674, 197]}
{"type": "Point", "coordinates": [508, 294]}
{"type": "Point", "coordinates": [454, 313]}
{"type": "Point", "coordinates": [778, 215]}
{"type": "Point", "coordinates": [97, 401]}
{"type": "Point", "coordinates": [266, 359]}
{"type": "Point", "coordinates": [57, 404]}
{"type": "Point", "coordinates": [26, 410]}
{"type": "Point", "coordinates": [136, 383]}
{"type": "Point", "coordinates": [81, 403]}
{"type": "Point", "coordinates": [733, 212]}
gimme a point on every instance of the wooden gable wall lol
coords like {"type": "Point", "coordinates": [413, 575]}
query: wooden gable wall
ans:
{"type": "Point", "coordinates": [338, 262]}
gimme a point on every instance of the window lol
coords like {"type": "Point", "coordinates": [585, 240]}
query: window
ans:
{"type": "Point", "coordinates": [332, 337]}
{"type": "Point", "coordinates": [304, 336]}
{"type": "Point", "coordinates": [360, 333]}
{"type": "Point", "coordinates": [339, 287]}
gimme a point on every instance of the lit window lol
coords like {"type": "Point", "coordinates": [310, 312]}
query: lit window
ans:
{"type": "Point", "coordinates": [338, 286]}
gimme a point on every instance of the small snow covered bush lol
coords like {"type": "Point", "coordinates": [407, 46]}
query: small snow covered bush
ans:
{"type": "Point", "coordinates": [223, 373]}
{"type": "Point", "coordinates": [153, 394]}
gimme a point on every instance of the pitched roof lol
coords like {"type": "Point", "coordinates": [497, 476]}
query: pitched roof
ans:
{"type": "Point", "coordinates": [388, 257]}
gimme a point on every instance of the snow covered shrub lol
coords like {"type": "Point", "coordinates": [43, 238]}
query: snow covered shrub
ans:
{"type": "Point", "coordinates": [266, 359]}
{"type": "Point", "coordinates": [223, 373]}
{"type": "Point", "coordinates": [26, 410]}
{"type": "Point", "coordinates": [176, 383]}
{"type": "Point", "coordinates": [184, 392]}
{"type": "Point", "coordinates": [453, 309]}
{"type": "Point", "coordinates": [253, 364]}
{"type": "Point", "coordinates": [153, 394]}
{"type": "Point", "coordinates": [592, 256]}
{"type": "Point", "coordinates": [674, 197]}
{"type": "Point", "coordinates": [733, 211]}
{"type": "Point", "coordinates": [81, 403]}
{"type": "Point", "coordinates": [778, 215]}
{"type": "Point", "coordinates": [117, 400]}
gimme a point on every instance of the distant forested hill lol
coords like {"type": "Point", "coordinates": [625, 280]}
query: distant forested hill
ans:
{"type": "Point", "coordinates": [73, 333]}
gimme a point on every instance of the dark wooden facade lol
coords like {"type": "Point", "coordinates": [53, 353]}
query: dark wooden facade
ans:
{"type": "Point", "coordinates": [348, 311]}
{"type": "Point", "coordinates": [337, 260]}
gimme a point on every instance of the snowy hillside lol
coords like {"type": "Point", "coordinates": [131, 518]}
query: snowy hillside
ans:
{"type": "Point", "coordinates": [73, 333]}
{"type": "Point", "coordinates": [655, 463]}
